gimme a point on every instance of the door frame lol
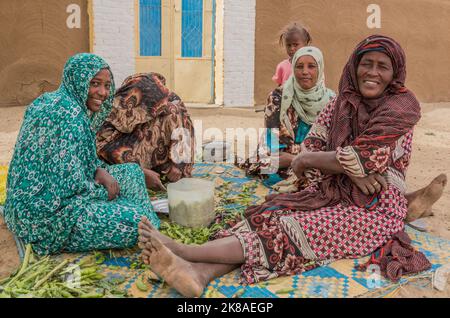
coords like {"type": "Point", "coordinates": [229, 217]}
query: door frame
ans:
{"type": "Point", "coordinates": [172, 51]}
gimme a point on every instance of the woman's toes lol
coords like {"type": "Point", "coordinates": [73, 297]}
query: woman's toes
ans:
{"type": "Point", "coordinates": [442, 179]}
{"type": "Point", "coordinates": [149, 247]}
{"type": "Point", "coordinates": [146, 253]}
{"type": "Point", "coordinates": [148, 224]}
{"type": "Point", "coordinates": [144, 233]}
{"type": "Point", "coordinates": [142, 239]}
{"type": "Point", "coordinates": [146, 260]}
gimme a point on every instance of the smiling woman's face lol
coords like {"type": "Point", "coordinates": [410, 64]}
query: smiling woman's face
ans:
{"type": "Point", "coordinates": [374, 74]}
{"type": "Point", "coordinates": [99, 90]}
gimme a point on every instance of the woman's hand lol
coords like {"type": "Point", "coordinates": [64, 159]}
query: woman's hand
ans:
{"type": "Point", "coordinates": [370, 184]}
{"type": "Point", "coordinates": [285, 159]}
{"type": "Point", "coordinates": [299, 164]}
{"type": "Point", "coordinates": [153, 180]}
{"type": "Point", "coordinates": [103, 178]}
{"type": "Point", "coordinates": [174, 174]}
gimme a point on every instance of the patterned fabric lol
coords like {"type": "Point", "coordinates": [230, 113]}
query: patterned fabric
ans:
{"type": "Point", "coordinates": [397, 258]}
{"type": "Point", "coordinates": [111, 225]}
{"type": "Point", "coordinates": [52, 200]}
{"type": "Point", "coordinates": [260, 163]}
{"type": "Point", "coordinates": [148, 125]}
{"type": "Point", "coordinates": [288, 141]}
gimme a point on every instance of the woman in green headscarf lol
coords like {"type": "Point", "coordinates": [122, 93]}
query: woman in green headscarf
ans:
{"type": "Point", "coordinates": [60, 196]}
{"type": "Point", "coordinates": [291, 110]}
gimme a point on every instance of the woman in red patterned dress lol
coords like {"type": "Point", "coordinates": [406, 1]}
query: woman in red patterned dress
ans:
{"type": "Point", "coordinates": [357, 154]}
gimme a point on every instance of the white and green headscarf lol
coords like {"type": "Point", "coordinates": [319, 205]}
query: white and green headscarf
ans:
{"type": "Point", "coordinates": [79, 70]}
{"type": "Point", "coordinates": [307, 103]}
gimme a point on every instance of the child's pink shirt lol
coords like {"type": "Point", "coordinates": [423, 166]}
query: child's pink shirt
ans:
{"type": "Point", "coordinates": [283, 72]}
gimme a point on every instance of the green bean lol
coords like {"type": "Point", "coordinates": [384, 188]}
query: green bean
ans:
{"type": "Point", "coordinates": [20, 291]}
{"type": "Point", "coordinates": [95, 276]}
{"type": "Point", "coordinates": [54, 271]}
{"type": "Point", "coordinates": [141, 285]}
{"type": "Point", "coordinates": [4, 280]}
{"type": "Point", "coordinates": [84, 262]}
{"type": "Point", "coordinates": [66, 294]}
{"type": "Point", "coordinates": [24, 265]}
{"type": "Point", "coordinates": [38, 272]}
{"type": "Point", "coordinates": [91, 295]}
{"type": "Point", "coordinates": [113, 267]}
{"type": "Point", "coordinates": [70, 289]}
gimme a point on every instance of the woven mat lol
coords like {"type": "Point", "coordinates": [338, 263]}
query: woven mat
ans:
{"type": "Point", "coordinates": [336, 280]}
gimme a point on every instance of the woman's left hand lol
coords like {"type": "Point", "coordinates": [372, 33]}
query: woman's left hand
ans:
{"type": "Point", "coordinates": [370, 184]}
{"type": "Point", "coordinates": [174, 174]}
{"type": "Point", "coordinates": [285, 159]}
{"type": "Point", "coordinates": [103, 178]}
{"type": "Point", "coordinates": [299, 163]}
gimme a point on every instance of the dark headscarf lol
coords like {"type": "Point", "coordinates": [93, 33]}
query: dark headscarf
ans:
{"type": "Point", "coordinates": [390, 115]}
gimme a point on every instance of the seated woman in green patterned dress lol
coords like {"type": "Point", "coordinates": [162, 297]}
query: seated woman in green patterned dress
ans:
{"type": "Point", "coordinates": [60, 196]}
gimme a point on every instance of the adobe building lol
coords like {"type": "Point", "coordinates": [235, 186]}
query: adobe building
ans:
{"type": "Point", "coordinates": [221, 52]}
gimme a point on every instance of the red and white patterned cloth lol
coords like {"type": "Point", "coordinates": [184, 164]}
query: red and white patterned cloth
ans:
{"type": "Point", "coordinates": [280, 242]}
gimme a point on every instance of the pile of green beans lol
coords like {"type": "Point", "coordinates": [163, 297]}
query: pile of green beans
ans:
{"type": "Point", "coordinates": [47, 278]}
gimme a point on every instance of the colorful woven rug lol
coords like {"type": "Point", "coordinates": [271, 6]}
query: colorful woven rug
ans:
{"type": "Point", "coordinates": [3, 175]}
{"type": "Point", "coordinates": [336, 280]}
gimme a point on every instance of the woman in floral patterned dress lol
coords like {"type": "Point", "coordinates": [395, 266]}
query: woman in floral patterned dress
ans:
{"type": "Point", "coordinates": [60, 196]}
{"type": "Point", "coordinates": [356, 157]}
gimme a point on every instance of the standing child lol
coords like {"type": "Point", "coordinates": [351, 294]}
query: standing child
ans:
{"type": "Point", "coordinates": [293, 38]}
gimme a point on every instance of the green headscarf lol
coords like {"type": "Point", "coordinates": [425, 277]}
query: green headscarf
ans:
{"type": "Point", "coordinates": [79, 70]}
{"type": "Point", "coordinates": [307, 103]}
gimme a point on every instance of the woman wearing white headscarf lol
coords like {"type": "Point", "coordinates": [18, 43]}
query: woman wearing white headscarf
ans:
{"type": "Point", "coordinates": [290, 112]}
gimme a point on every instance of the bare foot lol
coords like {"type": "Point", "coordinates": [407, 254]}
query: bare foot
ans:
{"type": "Point", "coordinates": [177, 272]}
{"type": "Point", "coordinates": [146, 230]}
{"type": "Point", "coordinates": [420, 201]}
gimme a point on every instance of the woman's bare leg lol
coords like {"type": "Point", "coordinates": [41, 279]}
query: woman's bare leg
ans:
{"type": "Point", "coordinates": [227, 250]}
{"type": "Point", "coordinates": [189, 279]}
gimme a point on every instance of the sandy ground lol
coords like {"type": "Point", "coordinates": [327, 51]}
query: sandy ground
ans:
{"type": "Point", "coordinates": [430, 157]}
